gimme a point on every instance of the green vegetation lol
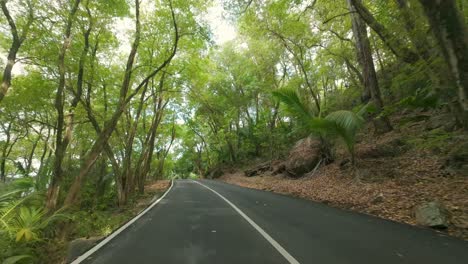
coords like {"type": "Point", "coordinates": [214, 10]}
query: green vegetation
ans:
{"type": "Point", "coordinates": [99, 98]}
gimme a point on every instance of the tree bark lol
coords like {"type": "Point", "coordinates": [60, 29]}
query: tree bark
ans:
{"type": "Point", "coordinates": [18, 39]}
{"type": "Point", "coordinates": [124, 100]}
{"type": "Point", "coordinates": [60, 136]}
{"type": "Point", "coordinates": [4, 156]}
{"type": "Point", "coordinates": [391, 41]}
{"type": "Point", "coordinates": [144, 162]}
{"type": "Point", "coordinates": [31, 153]}
{"type": "Point", "coordinates": [451, 32]}
{"type": "Point", "coordinates": [370, 82]}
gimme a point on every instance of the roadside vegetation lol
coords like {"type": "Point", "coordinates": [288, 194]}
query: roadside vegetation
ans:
{"type": "Point", "coordinates": [102, 101]}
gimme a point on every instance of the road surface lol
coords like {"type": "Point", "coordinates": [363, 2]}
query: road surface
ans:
{"type": "Point", "coordinates": [211, 222]}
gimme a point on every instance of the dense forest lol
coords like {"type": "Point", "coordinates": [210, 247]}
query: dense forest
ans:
{"type": "Point", "coordinates": [100, 98]}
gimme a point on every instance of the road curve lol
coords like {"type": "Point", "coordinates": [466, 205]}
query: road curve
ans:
{"type": "Point", "coordinates": [211, 222]}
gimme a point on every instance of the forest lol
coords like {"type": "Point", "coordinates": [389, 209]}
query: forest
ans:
{"type": "Point", "coordinates": [101, 99]}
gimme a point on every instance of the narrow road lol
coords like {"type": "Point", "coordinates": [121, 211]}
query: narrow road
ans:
{"type": "Point", "coordinates": [211, 222]}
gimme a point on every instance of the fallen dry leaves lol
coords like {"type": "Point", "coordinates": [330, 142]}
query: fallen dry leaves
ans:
{"type": "Point", "coordinates": [387, 187]}
{"type": "Point", "coordinates": [152, 189]}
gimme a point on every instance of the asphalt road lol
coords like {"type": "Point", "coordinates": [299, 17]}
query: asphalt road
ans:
{"type": "Point", "coordinates": [193, 224]}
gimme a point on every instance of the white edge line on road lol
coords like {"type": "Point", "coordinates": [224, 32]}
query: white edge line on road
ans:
{"type": "Point", "coordinates": [118, 231]}
{"type": "Point", "coordinates": [273, 242]}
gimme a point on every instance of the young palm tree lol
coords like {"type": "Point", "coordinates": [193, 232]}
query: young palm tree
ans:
{"type": "Point", "coordinates": [341, 124]}
{"type": "Point", "coordinates": [22, 219]}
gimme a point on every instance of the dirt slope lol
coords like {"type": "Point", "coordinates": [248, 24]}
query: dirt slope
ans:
{"type": "Point", "coordinates": [394, 173]}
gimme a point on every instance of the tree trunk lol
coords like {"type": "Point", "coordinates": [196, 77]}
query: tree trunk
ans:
{"type": "Point", "coordinates": [11, 60]}
{"type": "Point", "coordinates": [447, 24]}
{"type": "Point", "coordinates": [4, 153]}
{"type": "Point", "coordinates": [370, 82]}
{"type": "Point", "coordinates": [109, 126]}
{"type": "Point", "coordinates": [144, 162]}
{"type": "Point", "coordinates": [31, 153]}
{"type": "Point", "coordinates": [40, 172]}
{"type": "Point", "coordinates": [124, 100]}
{"type": "Point", "coordinates": [60, 137]}
{"type": "Point", "coordinates": [14, 48]}
{"type": "Point", "coordinates": [391, 41]}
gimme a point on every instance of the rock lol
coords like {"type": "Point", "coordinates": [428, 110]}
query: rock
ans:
{"type": "Point", "coordinates": [214, 173]}
{"type": "Point", "coordinates": [79, 246]}
{"type": "Point", "coordinates": [259, 169]}
{"type": "Point", "coordinates": [278, 168]}
{"type": "Point", "coordinates": [431, 214]}
{"type": "Point", "coordinates": [457, 159]}
{"type": "Point", "coordinates": [378, 199]}
{"type": "Point", "coordinates": [303, 157]}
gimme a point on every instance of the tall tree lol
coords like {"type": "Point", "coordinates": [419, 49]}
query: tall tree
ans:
{"type": "Point", "coordinates": [370, 82]}
{"type": "Point", "coordinates": [19, 35]}
{"type": "Point", "coordinates": [124, 99]}
{"type": "Point", "coordinates": [64, 123]}
{"type": "Point", "coordinates": [449, 28]}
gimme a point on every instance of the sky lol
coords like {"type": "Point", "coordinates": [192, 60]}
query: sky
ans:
{"type": "Point", "coordinates": [223, 31]}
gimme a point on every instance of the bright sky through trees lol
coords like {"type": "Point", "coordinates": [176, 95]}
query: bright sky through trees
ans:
{"type": "Point", "coordinates": [223, 31]}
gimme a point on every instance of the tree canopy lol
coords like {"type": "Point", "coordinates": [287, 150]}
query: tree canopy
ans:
{"type": "Point", "coordinates": [99, 97]}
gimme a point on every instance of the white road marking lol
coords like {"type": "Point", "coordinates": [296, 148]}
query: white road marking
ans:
{"type": "Point", "coordinates": [273, 242]}
{"type": "Point", "coordinates": [118, 231]}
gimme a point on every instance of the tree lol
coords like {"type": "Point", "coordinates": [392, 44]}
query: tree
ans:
{"type": "Point", "coordinates": [370, 82]}
{"type": "Point", "coordinates": [19, 33]}
{"type": "Point", "coordinates": [449, 28]}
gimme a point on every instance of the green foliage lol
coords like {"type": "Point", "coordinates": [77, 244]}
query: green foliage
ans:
{"type": "Point", "coordinates": [434, 140]}
{"type": "Point", "coordinates": [294, 105]}
{"type": "Point", "coordinates": [23, 220]}
{"type": "Point", "coordinates": [97, 223]}
{"type": "Point", "coordinates": [342, 124]}
{"type": "Point", "coordinates": [213, 105]}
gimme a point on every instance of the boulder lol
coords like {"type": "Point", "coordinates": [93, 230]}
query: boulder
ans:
{"type": "Point", "coordinates": [79, 246]}
{"type": "Point", "coordinates": [431, 214]}
{"type": "Point", "coordinates": [258, 169]}
{"type": "Point", "coordinates": [303, 157]}
{"type": "Point", "coordinates": [278, 167]}
{"type": "Point", "coordinates": [378, 199]}
{"type": "Point", "coordinates": [214, 173]}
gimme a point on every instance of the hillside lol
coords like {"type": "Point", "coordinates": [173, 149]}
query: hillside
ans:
{"type": "Point", "coordinates": [359, 104]}
{"type": "Point", "coordinates": [416, 163]}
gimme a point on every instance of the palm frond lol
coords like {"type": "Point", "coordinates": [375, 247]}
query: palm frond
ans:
{"type": "Point", "coordinates": [346, 120]}
{"type": "Point", "coordinates": [293, 103]}
{"type": "Point", "coordinates": [16, 259]}
{"type": "Point", "coordinates": [347, 124]}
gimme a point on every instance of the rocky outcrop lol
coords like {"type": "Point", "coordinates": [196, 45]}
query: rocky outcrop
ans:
{"type": "Point", "coordinates": [431, 214]}
{"type": "Point", "coordinates": [277, 167]}
{"type": "Point", "coordinates": [214, 173]}
{"type": "Point", "coordinates": [259, 169]}
{"type": "Point", "coordinates": [274, 167]}
{"type": "Point", "coordinates": [303, 157]}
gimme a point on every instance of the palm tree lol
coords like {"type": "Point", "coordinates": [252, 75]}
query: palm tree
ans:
{"type": "Point", "coordinates": [22, 219]}
{"type": "Point", "coordinates": [340, 124]}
